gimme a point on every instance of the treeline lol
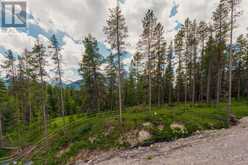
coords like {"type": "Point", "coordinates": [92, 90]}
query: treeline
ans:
{"type": "Point", "coordinates": [196, 67]}
{"type": "Point", "coordinates": [30, 97]}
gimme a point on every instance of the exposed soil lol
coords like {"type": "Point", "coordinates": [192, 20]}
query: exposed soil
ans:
{"type": "Point", "coordinates": [219, 147]}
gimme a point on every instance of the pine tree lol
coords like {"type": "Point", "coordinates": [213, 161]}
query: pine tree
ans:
{"type": "Point", "coordinates": [30, 78]}
{"type": "Point", "coordinates": [57, 58]}
{"type": "Point", "coordinates": [21, 92]}
{"type": "Point", "coordinates": [169, 74]}
{"type": "Point", "coordinates": [241, 64]}
{"type": "Point", "coordinates": [210, 51]}
{"type": "Point", "coordinates": [131, 87]}
{"type": "Point", "coordinates": [3, 95]}
{"type": "Point", "coordinates": [221, 26]}
{"type": "Point", "coordinates": [203, 35]}
{"type": "Point", "coordinates": [39, 65]}
{"type": "Point", "coordinates": [138, 65]}
{"type": "Point", "coordinates": [187, 58]}
{"type": "Point", "coordinates": [90, 71]}
{"type": "Point", "coordinates": [233, 7]}
{"type": "Point", "coordinates": [145, 45]}
{"type": "Point", "coordinates": [179, 43]}
{"type": "Point", "coordinates": [111, 77]}
{"type": "Point", "coordinates": [10, 68]}
{"type": "Point", "coordinates": [160, 53]}
{"type": "Point", "coordinates": [116, 31]}
{"type": "Point", "coordinates": [194, 43]}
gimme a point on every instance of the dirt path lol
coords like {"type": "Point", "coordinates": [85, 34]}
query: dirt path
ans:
{"type": "Point", "coordinates": [222, 147]}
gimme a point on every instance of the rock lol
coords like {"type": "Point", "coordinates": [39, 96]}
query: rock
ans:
{"type": "Point", "coordinates": [147, 124]}
{"type": "Point", "coordinates": [177, 126]}
{"type": "Point", "coordinates": [197, 132]}
{"type": "Point", "coordinates": [135, 137]}
{"type": "Point", "coordinates": [130, 138]}
{"type": "Point", "coordinates": [233, 120]}
{"type": "Point", "coordinates": [92, 139]}
{"type": "Point", "coordinates": [143, 136]}
{"type": "Point", "coordinates": [229, 147]}
{"type": "Point", "coordinates": [109, 131]}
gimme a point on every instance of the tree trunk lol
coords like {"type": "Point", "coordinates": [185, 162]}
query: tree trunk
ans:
{"type": "Point", "coordinates": [29, 106]}
{"type": "Point", "coordinates": [150, 85]}
{"type": "Point", "coordinates": [62, 107]}
{"type": "Point", "coordinates": [43, 98]}
{"type": "Point", "coordinates": [209, 81]}
{"type": "Point", "coordinates": [194, 74]}
{"type": "Point", "coordinates": [218, 90]}
{"type": "Point", "coordinates": [170, 94]}
{"type": "Point", "coordinates": [230, 66]}
{"type": "Point", "coordinates": [159, 94]}
{"type": "Point", "coordinates": [179, 87]}
{"type": "Point", "coordinates": [149, 72]}
{"type": "Point", "coordinates": [201, 72]}
{"type": "Point", "coordinates": [219, 69]}
{"type": "Point", "coordinates": [185, 92]}
{"type": "Point", "coordinates": [119, 67]}
{"type": "Point", "coordinates": [239, 88]}
{"type": "Point", "coordinates": [1, 130]}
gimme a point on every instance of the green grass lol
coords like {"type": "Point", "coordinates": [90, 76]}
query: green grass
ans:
{"type": "Point", "coordinates": [103, 131]}
{"type": "Point", "coordinates": [3, 153]}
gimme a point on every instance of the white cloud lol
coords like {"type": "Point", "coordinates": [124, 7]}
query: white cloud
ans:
{"type": "Point", "coordinates": [72, 54]}
{"type": "Point", "coordinates": [15, 40]}
{"type": "Point", "coordinates": [80, 17]}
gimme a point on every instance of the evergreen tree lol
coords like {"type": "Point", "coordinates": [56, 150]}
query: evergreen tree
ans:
{"type": "Point", "coordinates": [169, 74]}
{"type": "Point", "coordinates": [3, 95]}
{"type": "Point", "coordinates": [187, 58]}
{"type": "Point", "coordinates": [203, 35]}
{"type": "Point", "coordinates": [194, 43]}
{"type": "Point", "coordinates": [138, 65]}
{"type": "Point", "coordinates": [160, 53]}
{"type": "Point", "coordinates": [145, 45]}
{"type": "Point", "coordinates": [131, 87]}
{"type": "Point", "coordinates": [92, 77]}
{"type": "Point", "coordinates": [179, 43]}
{"type": "Point", "coordinates": [233, 7]}
{"type": "Point", "coordinates": [39, 64]}
{"type": "Point", "coordinates": [209, 58]}
{"type": "Point", "coordinates": [30, 83]}
{"type": "Point", "coordinates": [10, 68]}
{"type": "Point", "coordinates": [241, 67]}
{"type": "Point", "coordinates": [111, 77]}
{"type": "Point", "coordinates": [116, 31]}
{"type": "Point", "coordinates": [221, 27]}
{"type": "Point", "coordinates": [57, 58]}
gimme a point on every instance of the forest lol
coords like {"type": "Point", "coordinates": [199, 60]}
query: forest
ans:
{"type": "Point", "coordinates": [204, 69]}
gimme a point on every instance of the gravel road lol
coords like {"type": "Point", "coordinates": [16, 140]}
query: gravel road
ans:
{"type": "Point", "coordinates": [221, 147]}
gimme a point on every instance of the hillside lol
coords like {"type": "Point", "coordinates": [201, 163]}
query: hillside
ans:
{"type": "Point", "coordinates": [221, 147]}
{"type": "Point", "coordinates": [85, 136]}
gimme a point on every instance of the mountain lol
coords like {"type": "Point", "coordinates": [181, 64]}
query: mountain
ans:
{"type": "Point", "coordinates": [74, 85]}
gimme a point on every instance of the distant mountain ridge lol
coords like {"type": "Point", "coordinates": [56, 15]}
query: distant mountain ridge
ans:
{"type": "Point", "coordinates": [74, 85]}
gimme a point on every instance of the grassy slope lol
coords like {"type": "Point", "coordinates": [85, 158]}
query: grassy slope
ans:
{"type": "Point", "coordinates": [103, 131]}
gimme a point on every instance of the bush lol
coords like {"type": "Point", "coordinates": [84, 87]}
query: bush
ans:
{"type": "Point", "coordinates": [85, 129]}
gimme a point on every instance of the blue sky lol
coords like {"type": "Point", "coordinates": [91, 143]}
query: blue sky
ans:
{"type": "Point", "coordinates": [71, 20]}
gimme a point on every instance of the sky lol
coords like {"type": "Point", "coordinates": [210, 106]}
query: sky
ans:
{"type": "Point", "coordinates": [72, 20]}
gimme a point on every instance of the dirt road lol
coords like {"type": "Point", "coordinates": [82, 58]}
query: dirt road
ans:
{"type": "Point", "coordinates": [222, 147]}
